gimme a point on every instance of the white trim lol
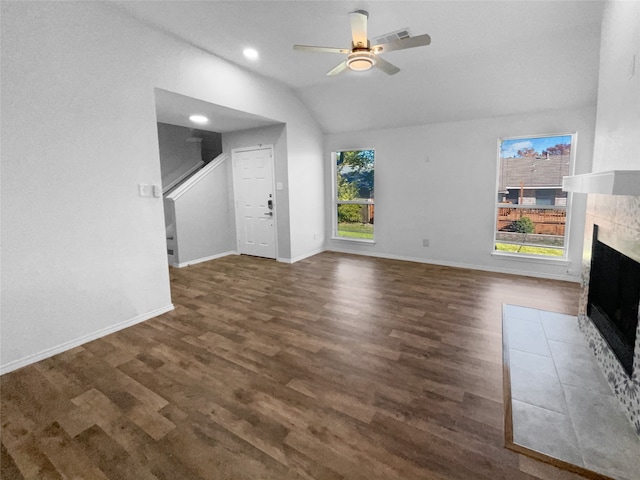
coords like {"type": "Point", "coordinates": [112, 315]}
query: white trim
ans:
{"type": "Point", "coordinates": [183, 176]}
{"type": "Point", "coordinates": [613, 182]}
{"type": "Point", "coordinates": [63, 347]}
{"type": "Point", "coordinates": [195, 179]}
{"type": "Point", "coordinates": [301, 257]}
{"type": "Point", "coordinates": [335, 202]}
{"type": "Point", "coordinates": [484, 268]}
{"type": "Point", "coordinates": [524, 257]}
{"type": "Point", "coordinates": [204, 259]}
{"type": "Point", "coordinates": [567, 207]}
{"type": "Point", "coordinates": [366, 241]}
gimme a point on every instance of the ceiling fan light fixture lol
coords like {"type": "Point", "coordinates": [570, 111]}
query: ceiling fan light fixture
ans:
{"type": "Point", "coordinates": [361, 61]}
{"type": "Point", "coordinates": [362, 56]}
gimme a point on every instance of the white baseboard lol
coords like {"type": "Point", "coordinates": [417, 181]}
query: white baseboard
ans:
{"type": "Point", "coordinates": [63, 347]}
{"type": "Point", "coordinates": [566, 278]}
{"type": "Point", "coordinates": [301, 257]}
{"type": "Point", "coordinates": [204, 259]}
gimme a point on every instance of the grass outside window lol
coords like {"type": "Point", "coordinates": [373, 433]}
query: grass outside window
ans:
{"type": "Point", "coordinates": [356, 230]}
{"type": "Point", "coordinates": [528, 249]}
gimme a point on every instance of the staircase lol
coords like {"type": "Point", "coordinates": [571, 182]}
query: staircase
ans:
{"type": "Point", "coordinates": [193, 206]}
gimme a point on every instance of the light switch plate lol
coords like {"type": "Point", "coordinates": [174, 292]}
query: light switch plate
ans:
{"type": "Point", "coordinates": [144, 190]}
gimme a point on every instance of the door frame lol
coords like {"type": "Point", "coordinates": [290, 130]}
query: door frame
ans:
{"type": "Point", "coordinates": [234, 152]}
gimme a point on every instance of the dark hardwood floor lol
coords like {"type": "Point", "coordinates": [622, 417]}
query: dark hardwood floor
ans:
{"type": "Point", "coordinates": [337, 366]}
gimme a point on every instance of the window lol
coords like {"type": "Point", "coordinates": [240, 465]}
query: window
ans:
{"type": "Point", "coordinates": [531, 208]}
{"type": "Point", "coordinates": [353, 194]}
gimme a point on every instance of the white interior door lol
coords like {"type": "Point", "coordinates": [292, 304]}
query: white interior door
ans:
{"type": "Point", "coordinates": [255, 202]}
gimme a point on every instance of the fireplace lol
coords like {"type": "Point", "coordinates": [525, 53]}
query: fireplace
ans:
{"type": "Point", "coordinates": [614, 297]}
{"type": "Point", "coordinates": [610, 293]}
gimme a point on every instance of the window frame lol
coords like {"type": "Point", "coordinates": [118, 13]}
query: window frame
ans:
{"type": "Point", "coordinates": [564, 259]}
{"type": "Point", "coordinates": [335, 202]}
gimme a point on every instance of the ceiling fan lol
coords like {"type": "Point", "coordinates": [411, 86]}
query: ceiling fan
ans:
{"type": "Point", "coordinates": [361, 56]}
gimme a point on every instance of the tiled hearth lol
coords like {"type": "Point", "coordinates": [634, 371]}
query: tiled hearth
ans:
{"type": "Point", "coordinates": [618, 219]}
{"type": "Point", "coordinates": [562, 406]}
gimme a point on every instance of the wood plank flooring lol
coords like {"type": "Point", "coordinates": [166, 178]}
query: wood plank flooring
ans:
{"type": "Point", "coordinates": [335, 367]}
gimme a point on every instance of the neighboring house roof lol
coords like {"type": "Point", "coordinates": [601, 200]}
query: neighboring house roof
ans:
{"type": "Point", "coordinates": [535, 171]}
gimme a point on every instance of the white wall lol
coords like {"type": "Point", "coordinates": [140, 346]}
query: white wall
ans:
{"type": "Point", "coordinates": [177, 155]}
{"type": "Point", "coordinates": [438, 182]}
{"type": "Point", "coordinates": [82, 253]}
{"type": "Point", "coordinates": [617, 141]}
{"type": "Point", "coordinates": [301, 204]}
{"type": "Point", "coordinates": [205, 226]}
{"type": "Point", "coordinates": [617, 146]}
{"type": "Point", "coordinates": [275, 135]}
{"type": "Point", "coordinates": [306, 200]}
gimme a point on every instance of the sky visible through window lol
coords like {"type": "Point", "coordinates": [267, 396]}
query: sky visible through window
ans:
{"type": "Point", "coordinates": [509, 148]}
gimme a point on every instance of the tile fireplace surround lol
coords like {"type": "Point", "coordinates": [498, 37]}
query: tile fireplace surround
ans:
{"type": "Point", "coordinates": [617, 216]}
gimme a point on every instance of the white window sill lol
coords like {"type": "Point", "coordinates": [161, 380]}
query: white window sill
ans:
{"type": "Point", "coordinates": [354, 240]}
{"type": "Point", "coordinates": [521, 257]}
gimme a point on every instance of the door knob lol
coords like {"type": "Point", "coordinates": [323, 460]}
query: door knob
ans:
{"type": "Point", "coordinates": [269, 213]}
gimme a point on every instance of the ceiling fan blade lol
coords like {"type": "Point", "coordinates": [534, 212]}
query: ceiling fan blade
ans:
{"type": "Point", "coordinates": [312, 48]}
{"type": "Point", "coordinates": [358, 21]}
{"type": "Point", "coordinates": [386, 67]}
{"type": "Point", "coordinates": [418, 41]}
{"type": "Point", "coordinates": [336, 70]}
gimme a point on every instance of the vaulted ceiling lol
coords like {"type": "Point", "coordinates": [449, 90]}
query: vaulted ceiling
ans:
{"type": "Point", "coordinates": [487, 58]}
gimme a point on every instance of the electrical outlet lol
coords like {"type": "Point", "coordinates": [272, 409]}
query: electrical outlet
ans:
{"type": "Point", "coordinates": [425, 242]}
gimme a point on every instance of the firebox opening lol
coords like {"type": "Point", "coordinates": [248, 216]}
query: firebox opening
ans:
{"type": "Point", "coordinates": [614, 296]}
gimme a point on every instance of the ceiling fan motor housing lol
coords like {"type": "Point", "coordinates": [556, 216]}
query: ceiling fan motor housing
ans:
{"type": "Point", "coordinates": [361, 60]}
{"type": "Point", "coordinates": [361, 56]}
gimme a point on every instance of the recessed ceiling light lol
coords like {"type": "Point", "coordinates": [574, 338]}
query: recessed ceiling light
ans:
{"type": "Point", "coordinates": [250, 53]}
{"type": "Point", "coordinates": [198, 119]}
